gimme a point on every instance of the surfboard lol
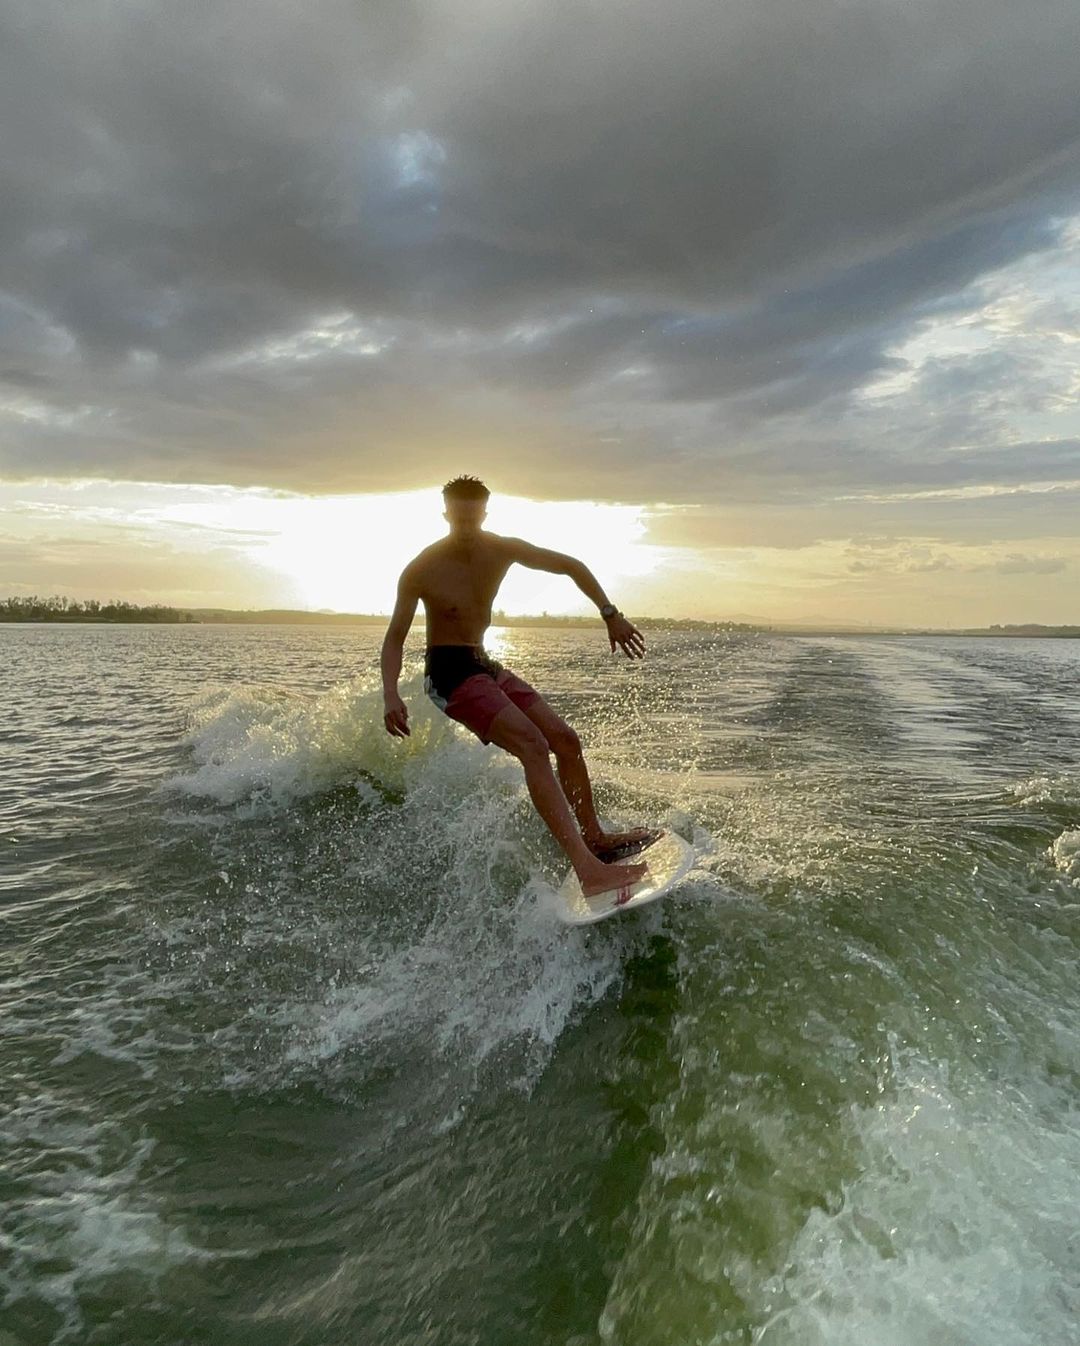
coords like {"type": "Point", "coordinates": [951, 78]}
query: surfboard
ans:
{"type": "Point", "coordinates": [669, 861]}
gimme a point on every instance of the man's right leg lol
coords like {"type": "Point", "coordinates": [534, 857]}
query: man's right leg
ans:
{"type": "Point", "coordinates": [512, 730]}
{"type": "Point", "coordinates": [574, 777]}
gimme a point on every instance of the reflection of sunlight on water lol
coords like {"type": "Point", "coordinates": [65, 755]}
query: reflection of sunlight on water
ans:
{"type": "Point", "coordinates": [498, 642]}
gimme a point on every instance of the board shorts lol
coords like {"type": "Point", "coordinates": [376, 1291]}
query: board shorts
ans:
{"type": "Point", "coordinates": [467, 684]}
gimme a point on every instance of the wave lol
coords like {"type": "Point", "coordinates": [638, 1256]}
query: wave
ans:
{"type": "Point", "coordinates": [380, 904]}
{"type": "Point", "coordinates": [272, 748]}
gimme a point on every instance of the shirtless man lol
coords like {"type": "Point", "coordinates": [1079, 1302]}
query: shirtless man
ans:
{"type": "Point", "coordinates": [457, 579]}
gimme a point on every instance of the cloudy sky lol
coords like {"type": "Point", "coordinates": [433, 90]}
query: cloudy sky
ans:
{"type": "Point", "coordinates": [763, 309]}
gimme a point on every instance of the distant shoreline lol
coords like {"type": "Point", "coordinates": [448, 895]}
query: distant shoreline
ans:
{"type": "Point", "coordinates": [36, 611]}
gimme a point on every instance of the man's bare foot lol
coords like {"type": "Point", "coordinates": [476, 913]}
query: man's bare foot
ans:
{"type": "Point", "coordinates": [609, 846]}
{"type": "Point", "coordinates": [604, 878]}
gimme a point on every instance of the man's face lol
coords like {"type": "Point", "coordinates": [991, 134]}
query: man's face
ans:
{"type": "Point", "coordinates": [465, 514]}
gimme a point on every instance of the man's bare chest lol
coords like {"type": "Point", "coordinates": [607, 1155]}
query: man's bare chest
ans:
{"type": "Point", "coordinates": [462, 578]}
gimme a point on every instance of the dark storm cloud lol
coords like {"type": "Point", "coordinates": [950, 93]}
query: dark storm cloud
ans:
{"type": "Point", "coordinates": [620, 250]}
{"type": "Point", "coordinates": [878, 473]}
{"type": "Point", "coordinates": [794, 349]}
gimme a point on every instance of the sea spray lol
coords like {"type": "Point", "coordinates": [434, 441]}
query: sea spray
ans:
{"type": "Point", "coordinates": [394, 876]}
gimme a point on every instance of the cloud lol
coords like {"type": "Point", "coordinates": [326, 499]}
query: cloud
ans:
{"type": "Point", "coordinates": [915, 556]}
{"type": "Point", "coordinates": [1018, 564]}
{"type": "Point", "coordinates": [137, 568]}
{"type": "Point", "coordinates": [607, 251]}
{"type": "Point", "coordinates": [898, 558]}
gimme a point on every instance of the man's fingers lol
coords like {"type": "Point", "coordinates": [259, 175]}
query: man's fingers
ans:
{"type": "Point", "coordinates": [632, 644]}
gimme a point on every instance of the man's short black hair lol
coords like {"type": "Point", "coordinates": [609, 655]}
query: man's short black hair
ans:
{"type": "Point", "coordinates": [465, 488]}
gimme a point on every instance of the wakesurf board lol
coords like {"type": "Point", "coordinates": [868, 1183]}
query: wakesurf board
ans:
{"type": "Point", "coordinates": [669, 860]}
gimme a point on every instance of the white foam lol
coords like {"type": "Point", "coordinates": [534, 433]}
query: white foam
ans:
{"type": "Point", "coordinates": [467, 969]}
{"type": "Point", "coordinates": [1065, 853]}
{"type": "Point", "coordinates": [84, 1216]}
{"type": "Point", "coordinates": [271, 748]}
{"type": "Point", "coordinates": [1053, 790]}
{"type": "Point", "coordinates": [958, 1227]}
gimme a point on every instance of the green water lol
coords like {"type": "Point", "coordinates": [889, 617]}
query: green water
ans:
{"type": "Point", "coordinates": [294, 1051]}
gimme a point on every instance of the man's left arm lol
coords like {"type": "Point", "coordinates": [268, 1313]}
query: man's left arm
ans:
{"type": "Point", "coordinates": [620, 631]}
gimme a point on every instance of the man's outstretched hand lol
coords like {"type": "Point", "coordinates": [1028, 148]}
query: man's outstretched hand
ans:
{"type": "Point", "coordinates": [625, 634]}
{"type": "Point", "coordinates": [396, 717]}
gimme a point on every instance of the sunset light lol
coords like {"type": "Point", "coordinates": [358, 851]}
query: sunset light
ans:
{"type": "Point", "coordinates": [229, 546]}
{"type": "Point", "coordinates": [346, 552]}
{"type": "Point", "coordinates": [758, 326]}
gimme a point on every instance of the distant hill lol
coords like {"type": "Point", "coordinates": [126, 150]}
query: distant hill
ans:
{"type": "Point", "coordinates": [1025, 629]}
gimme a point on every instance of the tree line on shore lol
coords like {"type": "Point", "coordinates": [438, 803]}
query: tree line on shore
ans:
{"type": "Point", "coordinates": [57, 608]}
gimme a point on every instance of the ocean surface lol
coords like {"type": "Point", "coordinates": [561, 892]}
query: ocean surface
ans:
{"type": "Point", "coordinates": [293, 1051]}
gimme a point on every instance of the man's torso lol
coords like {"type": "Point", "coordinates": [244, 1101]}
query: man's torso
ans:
{"type": "Point", "coordinates": [457, 580]}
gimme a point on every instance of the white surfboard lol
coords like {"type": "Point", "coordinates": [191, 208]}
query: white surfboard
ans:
{"type": "Point", "coordinates": [669, 860]}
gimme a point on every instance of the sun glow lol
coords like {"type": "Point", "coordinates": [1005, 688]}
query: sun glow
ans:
{"type": "Point", "coordinates": [346, 552]}
{"type": "Point", "coordinates": [196, 545]}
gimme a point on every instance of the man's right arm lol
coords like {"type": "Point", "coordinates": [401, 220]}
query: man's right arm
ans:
{"type": "Point", "coordinates": [396, 714]}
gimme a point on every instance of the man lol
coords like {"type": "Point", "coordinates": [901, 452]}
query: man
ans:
{"type": "Point", "coordinates": [457, 579]}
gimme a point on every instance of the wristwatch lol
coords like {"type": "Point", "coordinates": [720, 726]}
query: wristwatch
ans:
{"type": "Point", "coordinates": [608, 610]}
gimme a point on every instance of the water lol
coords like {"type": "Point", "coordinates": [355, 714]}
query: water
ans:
{"type": "Point", "coordinates": [293, 1051]}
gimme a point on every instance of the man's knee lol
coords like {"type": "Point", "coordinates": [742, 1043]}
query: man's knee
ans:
{"type": "Point", "coordinates": [564, 742]}
{"type": "Point", "coordinates": [531, 747]}
{"type": "Point", "coordinates": [519, 736]}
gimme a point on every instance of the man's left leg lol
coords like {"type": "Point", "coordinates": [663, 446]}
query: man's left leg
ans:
{"type": "Point", "coordinates": [574, 778]}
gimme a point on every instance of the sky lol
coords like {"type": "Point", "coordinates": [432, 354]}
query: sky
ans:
{"type": "Point", "coordinates": [766, 312]}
